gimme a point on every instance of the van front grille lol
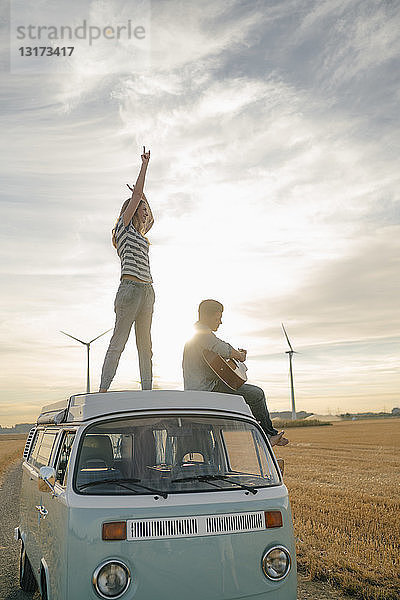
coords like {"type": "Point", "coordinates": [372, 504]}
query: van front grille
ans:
{"type": "Point", "coordinates": [177, 527]}
{"type": "Point", "coordinates": [162, 528]}
{"type": "Point", "coordinates": [236, 523]}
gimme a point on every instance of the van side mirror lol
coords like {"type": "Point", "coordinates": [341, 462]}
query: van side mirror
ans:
{"type": "Point", "coordinates": [47, 479]}
{"type": "Point", "coordinates": [281, 464]}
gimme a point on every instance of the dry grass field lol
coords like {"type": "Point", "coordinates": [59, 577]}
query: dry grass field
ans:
{"type": "Point", "coordinates": [344, 484]}
{"type": "Point", "coordinates": [11, 448]}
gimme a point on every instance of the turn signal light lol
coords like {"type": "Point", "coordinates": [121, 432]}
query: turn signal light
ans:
{"type": "Point", "coordinates": [114, 531]}
{"type": "Point", "coordinates": [273, 518]}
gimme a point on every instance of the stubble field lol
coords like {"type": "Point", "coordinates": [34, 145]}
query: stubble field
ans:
{"type": "Point", "coordinates": [344, 484]}
{"type": "Point", "coordinates": [11, 448]}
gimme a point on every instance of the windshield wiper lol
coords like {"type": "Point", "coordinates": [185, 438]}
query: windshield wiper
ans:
{"type": "Point", "coordinates": [210, 478]}
{"type": "Point", "coordinates": [205, 478]}
{"type": "Point", "coordinates": [121, 483]}
{"type": "Point", "coordinates": [100, 481]}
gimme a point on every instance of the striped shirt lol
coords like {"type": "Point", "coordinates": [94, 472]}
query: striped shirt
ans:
{"type": "Point", "coordinates": [133, 251]}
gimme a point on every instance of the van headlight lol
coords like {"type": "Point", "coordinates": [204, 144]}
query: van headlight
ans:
{"type": "Point", "coordinates": [111, 579]}
{"type": "Point", "coordinates": [276, 563]}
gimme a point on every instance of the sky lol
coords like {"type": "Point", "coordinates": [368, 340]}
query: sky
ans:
{"type": "Point", "coordinates": [273, 180]}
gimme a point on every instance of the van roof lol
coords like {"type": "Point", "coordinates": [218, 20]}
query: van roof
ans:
{"type": "Point", "coordinates": [84, 407]}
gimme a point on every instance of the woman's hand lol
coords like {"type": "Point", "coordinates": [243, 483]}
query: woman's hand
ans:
{"type": "Point", "coordinates": [145, 156]}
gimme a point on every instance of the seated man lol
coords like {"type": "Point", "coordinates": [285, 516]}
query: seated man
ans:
{"type": "Point", "coordinates": [197, 375]}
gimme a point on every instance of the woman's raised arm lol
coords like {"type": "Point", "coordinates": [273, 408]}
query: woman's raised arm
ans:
{"type": "Point", "coordinates": [138, 190]}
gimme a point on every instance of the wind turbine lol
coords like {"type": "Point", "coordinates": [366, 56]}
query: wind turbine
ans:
{"type": "Point", "coordinates": [87, 344]}
{"type": "Point", "coordinates": [291, 352]}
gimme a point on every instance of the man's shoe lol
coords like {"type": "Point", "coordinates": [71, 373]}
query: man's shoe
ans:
{"type": "Point", "coordinates": [278, 439]}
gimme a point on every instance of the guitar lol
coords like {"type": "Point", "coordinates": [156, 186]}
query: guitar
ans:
{"type": "Point", "coordinates": [228, 370]}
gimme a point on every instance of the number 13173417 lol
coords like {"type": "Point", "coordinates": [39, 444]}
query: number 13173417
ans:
{"type": "Point", "coordinates": [46, 51]}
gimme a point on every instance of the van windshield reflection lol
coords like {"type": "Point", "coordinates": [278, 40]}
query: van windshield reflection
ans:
{"type": "Point", "coordinates": [171, 455]}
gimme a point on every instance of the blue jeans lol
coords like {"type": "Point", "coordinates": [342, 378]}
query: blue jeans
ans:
{"type": "Point", "coordinates": [133, 304]}
{"type": "Point", "coordinates": [255, 399]}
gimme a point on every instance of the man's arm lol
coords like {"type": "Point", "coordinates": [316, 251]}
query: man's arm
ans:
{"type": "Point", "coordinates": [224, 349]}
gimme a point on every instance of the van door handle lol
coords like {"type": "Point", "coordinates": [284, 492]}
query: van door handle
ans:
{"type": "Point", "coordinates": [42, 510]}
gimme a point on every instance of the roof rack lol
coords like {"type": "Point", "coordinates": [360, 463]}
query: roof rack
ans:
{"type": "Point", "coordinates": [54, 414]}
{"type": "Point", "coordinates": [84, 407]}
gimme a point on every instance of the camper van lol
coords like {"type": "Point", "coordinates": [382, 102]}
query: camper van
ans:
{"type": "Point", "coordinates": [142, 495]}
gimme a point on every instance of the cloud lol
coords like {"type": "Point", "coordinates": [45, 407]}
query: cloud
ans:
{"type": "Point", "coordinates": [273, 180]}
{"type": "Point", "coordinates": [367, 39]}
{"type": "Point", "coordinates": [353, 298]}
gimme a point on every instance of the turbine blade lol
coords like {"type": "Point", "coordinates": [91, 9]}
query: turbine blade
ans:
{"type": "Point", "coordinates": [287, 337]}
{"type": "Point", "coordinates": [104, 333]}
{"type": "Point", "coordinates": [74, 338]}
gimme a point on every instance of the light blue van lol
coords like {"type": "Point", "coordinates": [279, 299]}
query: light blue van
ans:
{"type": "Point", "coordinates": [154, 495]}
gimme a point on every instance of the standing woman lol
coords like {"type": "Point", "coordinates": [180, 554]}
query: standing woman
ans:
{"type": "Point", "coordinates": [135, 296]}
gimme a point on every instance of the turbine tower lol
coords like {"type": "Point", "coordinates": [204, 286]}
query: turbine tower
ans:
{"type": "Point", "coordinates": [290, 352]}
{"type": "Point", "coordinates": [87, 344]}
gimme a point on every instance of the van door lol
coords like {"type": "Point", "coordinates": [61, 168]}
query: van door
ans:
{"type": "Point", "coordinates": [36, 501]}
{"type": "Point", "coordinates": [53, 528]}
{"type": "Point", "coordinates": [29, 524]}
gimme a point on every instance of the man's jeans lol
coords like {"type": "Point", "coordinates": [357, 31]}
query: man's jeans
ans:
{"type": "Point", "coordinates": [255, 398]}
{"type": "Point", "coordinates": [133, 304]}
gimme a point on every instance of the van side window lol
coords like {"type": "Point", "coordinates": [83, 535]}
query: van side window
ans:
{"type": "Point", "coordinates": [63, 459]}
{"type": "Point", "coordinates": [42, 448]}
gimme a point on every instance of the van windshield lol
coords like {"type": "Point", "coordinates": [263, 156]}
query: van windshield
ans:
{"type": "Point", "coordinates": [171, 454]}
